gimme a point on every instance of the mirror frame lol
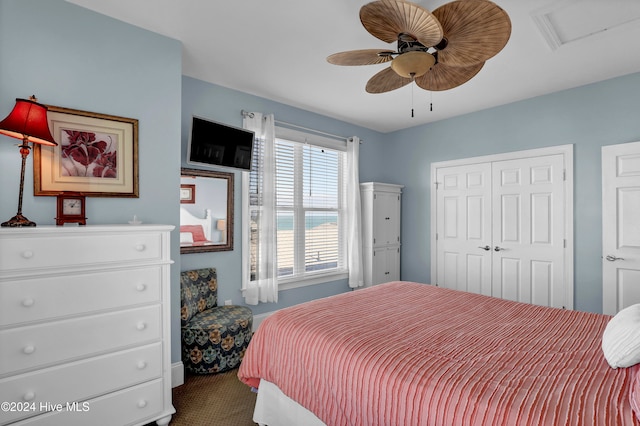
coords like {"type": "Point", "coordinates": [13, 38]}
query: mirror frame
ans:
{"type": "Point", "coordinates": [218, 175]}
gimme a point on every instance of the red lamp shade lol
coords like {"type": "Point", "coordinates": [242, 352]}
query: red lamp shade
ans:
{"type": "Point", "coordinates": [28, 121]}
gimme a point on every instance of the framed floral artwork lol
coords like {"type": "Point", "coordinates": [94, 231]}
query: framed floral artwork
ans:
{"type": "Point", "coordinates": [97, 155]}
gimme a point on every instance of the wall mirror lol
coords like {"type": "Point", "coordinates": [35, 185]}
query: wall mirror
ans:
{"type": "Point", "coordinates": [206, 211]}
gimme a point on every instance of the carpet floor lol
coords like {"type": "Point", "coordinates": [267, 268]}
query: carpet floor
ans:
{"type": "Point", "coordinates": [212, 400]}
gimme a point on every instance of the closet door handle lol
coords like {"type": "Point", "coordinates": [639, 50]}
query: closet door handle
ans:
{"type": "Point", "coordinates": [496, 248]}
{"type": "Point", "coordinates": [485, 248]}
{"type": "Point", "coordinates": [613, 258]}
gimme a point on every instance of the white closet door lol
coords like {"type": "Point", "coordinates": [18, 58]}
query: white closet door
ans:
{"type": "Point", "coordinates": [620, 226]}
{"type": "Point", "coordinates": [464, 228]}
{"type": "Point", "coordinates": [528, 230]}
{"type": "Point", "coordinates": [520, 206]}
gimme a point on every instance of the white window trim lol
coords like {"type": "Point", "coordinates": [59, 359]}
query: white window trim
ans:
{"type": "Point", "coordinates": [245, 235]}
{"type": "Point", "coordinates": [289, 283]}
{"type": "Point", "coordinates": [303, 137]}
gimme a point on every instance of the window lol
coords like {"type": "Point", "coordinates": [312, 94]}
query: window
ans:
{"type": "Point", "coordinates": [309, 213]}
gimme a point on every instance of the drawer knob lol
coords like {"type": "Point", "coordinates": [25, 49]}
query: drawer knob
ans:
{"type": "Point", "coordinates": [141, 326]}
{"type": "Point", "coordinates": [141, 287]}
{"type": "Point", "coordinates": [140, 247]}
{"type": "Point", "coordinates": [142, 365]}
{"type": "Point", "coordinates": [29, 349]}
{"type": "Point", "coordinates": [27, 254]}
{"type": "Point", "coordinates": [29, 396]}
{"type": "Point", "coordinates": [28, 302]}
{"type": "Point", "coordinates": [142, 403]}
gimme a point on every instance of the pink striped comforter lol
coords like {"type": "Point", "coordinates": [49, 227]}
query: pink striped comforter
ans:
{"type": "Point", "coordinates": [412, 354]}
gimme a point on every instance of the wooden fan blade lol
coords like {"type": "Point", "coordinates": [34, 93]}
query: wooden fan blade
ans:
{"type": "Point", "coordinates": [387, 19]}
{"type": "Point", "coordinates": [360, 57]}
{"type": "Point", "coordinates": [385, 81]}
{"type": "Point", "coordinates": [475, 30]}
{"type": "Point", "coordinates": [445, 77]}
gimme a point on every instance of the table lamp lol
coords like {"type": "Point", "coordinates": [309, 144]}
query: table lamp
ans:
{"type": "Point", "coordinates": [221, 226]}
{"type": "Point", "coordinates": [27, 121]}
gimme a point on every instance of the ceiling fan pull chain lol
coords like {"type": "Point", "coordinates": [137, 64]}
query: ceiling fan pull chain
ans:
{"type": "Point", "coordinates": [412, 98]}
{"type": "Point", "coordinates": [431, 103]}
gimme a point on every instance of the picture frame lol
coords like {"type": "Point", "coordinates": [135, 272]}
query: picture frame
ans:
{"type": "Point", "coordinates": [97, 155]}
{"type": "Point", "coordinates": [187, 194]}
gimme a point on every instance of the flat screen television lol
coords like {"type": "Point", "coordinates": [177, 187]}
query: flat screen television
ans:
{"type": "Point", "coordinates": [216, 144]}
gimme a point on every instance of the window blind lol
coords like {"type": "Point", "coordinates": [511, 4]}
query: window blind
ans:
{"type": "Point", "coordinates": [309, 195]}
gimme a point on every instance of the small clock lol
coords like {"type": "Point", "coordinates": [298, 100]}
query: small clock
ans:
{"type": "Point", "coordinates": [71, 208]}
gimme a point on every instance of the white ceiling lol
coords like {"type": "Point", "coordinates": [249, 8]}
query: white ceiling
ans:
{"type": "Point", "coordinates": [277, 49]}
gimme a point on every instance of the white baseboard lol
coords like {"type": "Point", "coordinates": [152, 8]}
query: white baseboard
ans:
{"type": "Point", "coordinates": [257, 319]}
{"type": "Point", "coordinates": [177, 374]}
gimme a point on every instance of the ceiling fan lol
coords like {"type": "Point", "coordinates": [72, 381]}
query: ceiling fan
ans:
{"type": "Point", "coordinates": [438, 50]}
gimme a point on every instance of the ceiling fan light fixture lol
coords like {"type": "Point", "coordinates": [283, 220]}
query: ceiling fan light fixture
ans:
{"type": "Point", "coordinates": [413, 64]}
{"type": "Point", "coordinates": [437, 51]}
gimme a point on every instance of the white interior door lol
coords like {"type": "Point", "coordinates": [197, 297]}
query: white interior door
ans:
{"type": "Point", "coordinates": [502, 225]}
{"type": "Point", "coordinates": [620, 226]}
{"type": "Point", "coordinates": [528, 230]}
{"type": "Point", "coordinates": [464, 228]}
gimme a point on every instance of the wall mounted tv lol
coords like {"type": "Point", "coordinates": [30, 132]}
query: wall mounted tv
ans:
{"type": "Point", "coordinates": [216, 144]}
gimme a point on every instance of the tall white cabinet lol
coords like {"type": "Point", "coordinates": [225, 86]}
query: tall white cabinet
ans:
{"type": "Point", "coordinates": [84, 325]}
{"type": "Point", "coordinates": [381, 231]}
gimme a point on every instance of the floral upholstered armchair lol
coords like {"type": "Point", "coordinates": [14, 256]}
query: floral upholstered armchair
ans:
{"type": "Point", "coordinates": [214, 338]}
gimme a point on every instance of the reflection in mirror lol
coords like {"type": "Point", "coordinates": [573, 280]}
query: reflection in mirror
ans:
{"type": "Point", "coordinates": [206, 211]}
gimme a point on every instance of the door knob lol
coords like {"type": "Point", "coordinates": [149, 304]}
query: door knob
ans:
{"type": "Point", "coordinates": [496, 248]}
{"type": "Point", "coordinates": [613, 258]}
{"type": "Point", "coordinates": [486, 248]}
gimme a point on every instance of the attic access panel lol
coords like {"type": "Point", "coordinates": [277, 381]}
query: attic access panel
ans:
{"type": "Point", "coordinates": [570, 20]}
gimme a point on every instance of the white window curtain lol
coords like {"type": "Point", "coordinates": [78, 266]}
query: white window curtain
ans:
{"type": "Point", "coordinates": [354, 215]}
{"type": "Point", "coordinates": [264, 288]}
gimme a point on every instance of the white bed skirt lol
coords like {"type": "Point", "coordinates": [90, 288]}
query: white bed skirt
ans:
{"type": "Point", "coordinates": [274, 408]}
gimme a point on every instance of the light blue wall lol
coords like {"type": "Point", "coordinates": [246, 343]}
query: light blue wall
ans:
{"type": "Point", "coordinates": [589, 117]}
{"type": "Point", "coordinates": [70, 57]}
{"type": "Point", "coordinates": [225, 106]}
{"type": "Point", "coordinates": [74, 58]}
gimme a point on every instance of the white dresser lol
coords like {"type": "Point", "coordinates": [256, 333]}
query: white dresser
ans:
{"type": "Point", "coordinates": [380, 232]}
{"type": "Point", "coordinates": [84, 325]}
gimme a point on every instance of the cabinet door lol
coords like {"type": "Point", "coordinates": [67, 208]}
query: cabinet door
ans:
{"type": "Point", "coordinates": [386, 265]}
{"type": "Point", "coordinates": [393, 263]}
{"type": "Point", "coordinates": [379, 266]}
{"type": "Point", "coordinates": [386, 220]}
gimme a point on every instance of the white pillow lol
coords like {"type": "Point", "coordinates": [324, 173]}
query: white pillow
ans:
{"type": "Point", "coordinates": [186, 237]}
{"type": "Point", "coordinates": [621, 338]}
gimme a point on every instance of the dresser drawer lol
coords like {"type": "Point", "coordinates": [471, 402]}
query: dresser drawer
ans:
{"type": "Point", "coordinates": [36, 299]}
{"type": "Point", "coordinates": [30, 347]}
{"type": "Point", "coordinates": [129, 406]}
{"type": "Point", "coordinates": [80, 380]}
{"type": "Point", "coordinates": [59, 251]}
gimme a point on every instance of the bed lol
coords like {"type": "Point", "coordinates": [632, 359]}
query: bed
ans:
{"type": "Point", "coordinates": [195, 230]}
{"type": "Point", "coordinates": [405, 353]}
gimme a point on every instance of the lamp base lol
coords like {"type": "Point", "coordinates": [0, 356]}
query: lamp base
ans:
{"type": "Point", "coordinates": [18, 221]}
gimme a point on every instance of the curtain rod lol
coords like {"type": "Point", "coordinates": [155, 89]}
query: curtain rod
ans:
{"type": "Point", "coordinates": [295, 126]}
